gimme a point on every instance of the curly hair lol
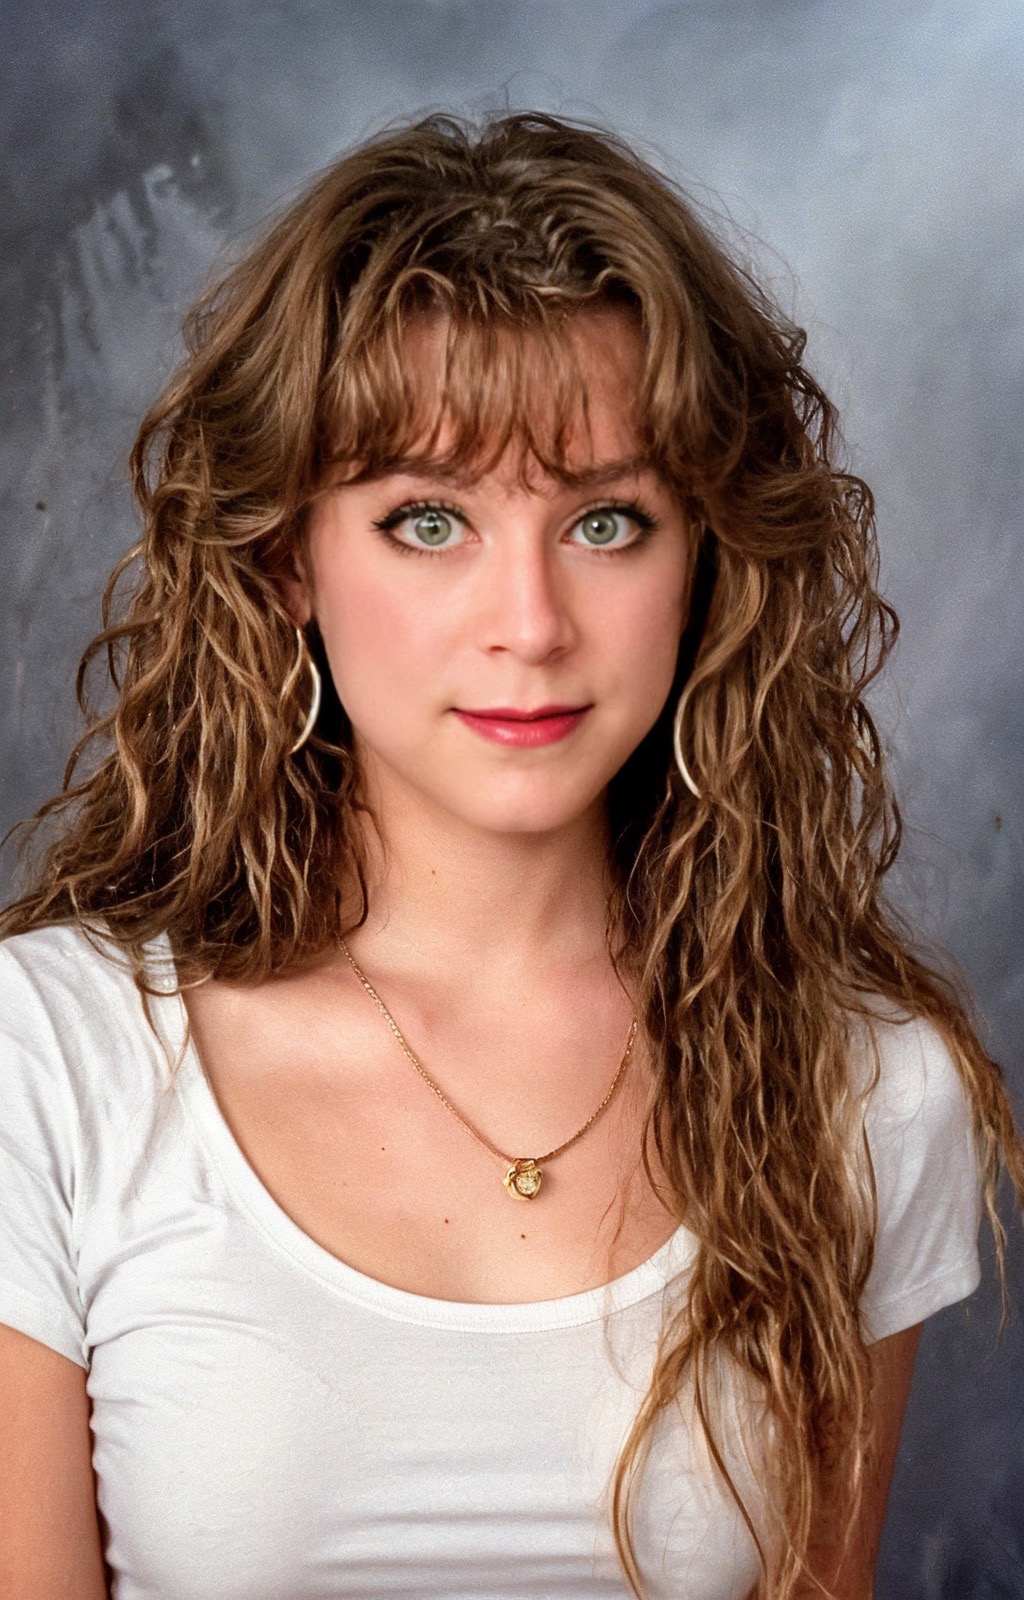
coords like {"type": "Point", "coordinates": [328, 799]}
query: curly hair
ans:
{"type": "Point", "coordinates": [752, 917]}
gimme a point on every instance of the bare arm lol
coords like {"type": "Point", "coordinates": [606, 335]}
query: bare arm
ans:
{"type": "Point", "coordinates": [853, 1578]}
{"type": "Point", "coordinates": [50, 1547]}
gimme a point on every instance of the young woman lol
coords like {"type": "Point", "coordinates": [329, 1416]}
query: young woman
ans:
{"type": "Point", "coordinates": [470, 1125]}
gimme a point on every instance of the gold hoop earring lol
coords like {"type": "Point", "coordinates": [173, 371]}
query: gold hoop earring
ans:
{"type": "Point", "coordinates": [677, 745]}
{"type": "Point", "coordinates": [317, 687]}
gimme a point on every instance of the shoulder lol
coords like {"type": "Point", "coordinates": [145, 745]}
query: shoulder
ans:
{"type": "Point", "coordinates": [59, 965]}
{"type": "Point", "coordinates": [909, 1078]}
{"type": "Point", "coordinates": [73, 1034]}
{"type": "Point", "coordinates": [66, 975]}
{"type": "Point", "coordinates": [919, 1129]}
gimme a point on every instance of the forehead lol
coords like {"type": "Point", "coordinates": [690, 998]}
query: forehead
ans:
{"type": "Point", "coordinates": [603, 342]}
{"type": "Point", "coordinates": [458, 396]}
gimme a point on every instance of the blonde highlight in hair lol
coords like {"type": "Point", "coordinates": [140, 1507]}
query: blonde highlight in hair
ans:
{"type": "Point", "coordinates": [752, 917]}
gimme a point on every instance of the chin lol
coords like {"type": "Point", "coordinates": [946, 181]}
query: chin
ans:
{"type": "Point", "coordinates": [523, 813]}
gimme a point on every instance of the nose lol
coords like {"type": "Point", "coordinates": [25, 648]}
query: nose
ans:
{"type": "Point", "coordinates": [524, 602]}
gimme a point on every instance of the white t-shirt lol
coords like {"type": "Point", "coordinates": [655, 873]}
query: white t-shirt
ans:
{"type": "Point", "coordinates": [270, 1424]}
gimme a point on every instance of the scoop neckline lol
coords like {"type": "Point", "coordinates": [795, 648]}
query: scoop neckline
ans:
{"type": "Point", "coordinates": [649, 1278]}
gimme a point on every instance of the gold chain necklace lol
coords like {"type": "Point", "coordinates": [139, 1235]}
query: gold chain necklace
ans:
{"type": "Point", "coordinates": [523, 1173]}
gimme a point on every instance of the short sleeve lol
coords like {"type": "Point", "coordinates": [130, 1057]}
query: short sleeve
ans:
{"type": "Point", "coordinates": [928, 1180]}
{"type": "Point", "coordinates": [38, 1161]}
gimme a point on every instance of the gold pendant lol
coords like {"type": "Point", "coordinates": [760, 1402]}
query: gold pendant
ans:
{"type": "Point", "coordinates": [523, 1178]}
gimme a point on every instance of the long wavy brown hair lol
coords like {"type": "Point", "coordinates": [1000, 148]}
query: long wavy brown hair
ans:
{"type": "Point", "coordinates": [752, 918]}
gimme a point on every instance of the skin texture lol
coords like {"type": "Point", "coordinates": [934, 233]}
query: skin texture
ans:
{"type": "Point", "coordinates": [494, 884]}
{"type": "Point", "coordinates": [49, 1535]}
{"type": "Point", "coordinates": [850, 1574]}
{"type": "Point", "coordinates": [491, 888]}
{"type": "Point", "coordinates": [50, 1545]}
{"type": "Point", "coordinates": [518, 612]}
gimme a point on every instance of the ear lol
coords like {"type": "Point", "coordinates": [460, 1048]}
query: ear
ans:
{"type": "Point", "coordinates": [294, 587]}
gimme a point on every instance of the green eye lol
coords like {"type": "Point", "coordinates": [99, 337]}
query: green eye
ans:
{"type": "Point", "coordinates": [433, 527]}
{"type": "Point", "coordinates": [600, 527]}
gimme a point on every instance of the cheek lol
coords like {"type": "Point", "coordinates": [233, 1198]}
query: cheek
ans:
{"type": "Point", "coordinates": [642, 636]}
{"type": "Point", "coordinates": [377, 639]}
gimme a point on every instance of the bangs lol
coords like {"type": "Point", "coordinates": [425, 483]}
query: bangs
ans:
{"type": "Point", "coordinates": [458, 389]}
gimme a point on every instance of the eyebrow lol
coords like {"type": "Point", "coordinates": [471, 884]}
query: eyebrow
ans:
{"type": "Point", "coordinates": [583, 478]}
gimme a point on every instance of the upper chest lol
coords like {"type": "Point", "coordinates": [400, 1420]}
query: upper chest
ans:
{"type": "Point", "coordinates": [363, 1154]}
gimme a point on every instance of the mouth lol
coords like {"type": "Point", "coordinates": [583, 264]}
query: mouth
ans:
{"type": "Point", "coordinates": [511, 714]}
{"type": "Point", "coordinates": [514, 727]}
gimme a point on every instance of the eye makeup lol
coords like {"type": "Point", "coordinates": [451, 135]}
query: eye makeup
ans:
{"type": "Point", "coordinates": [415, 508]}
{"type": "Point", "coordinates": [645, 523]}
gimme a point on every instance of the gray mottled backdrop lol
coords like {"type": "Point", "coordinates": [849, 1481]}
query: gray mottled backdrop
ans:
{"type": "Point", "coordinates": [870, 153]}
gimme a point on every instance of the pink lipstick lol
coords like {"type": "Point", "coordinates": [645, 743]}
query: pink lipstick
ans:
{"type": "Point", "coordinates": [505, 725]}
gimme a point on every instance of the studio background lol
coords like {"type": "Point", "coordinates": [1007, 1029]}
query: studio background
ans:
{"type": "Point", "coordinates": [866, 156]}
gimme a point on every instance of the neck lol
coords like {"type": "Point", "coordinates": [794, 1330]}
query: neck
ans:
{"type": "Point", "coordinates": [488, 908]}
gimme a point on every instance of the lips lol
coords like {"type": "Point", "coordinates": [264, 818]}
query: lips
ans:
{"type": "Point", "coordinates": [510, 714]}
{"type": "Point", "coordinates": [507, 726]}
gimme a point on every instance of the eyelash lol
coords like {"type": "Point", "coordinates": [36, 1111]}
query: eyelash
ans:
{"type": "Point", "coordinates": [646, 525]}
